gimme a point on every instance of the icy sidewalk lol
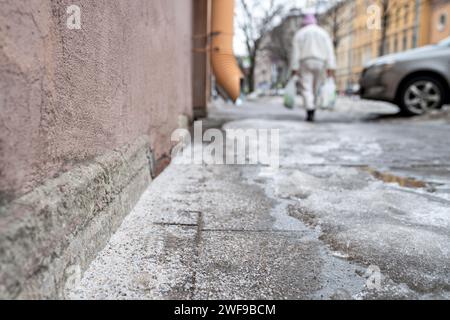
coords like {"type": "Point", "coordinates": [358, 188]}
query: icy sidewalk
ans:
{"type": "Point", "coordinates": [203, 233]}
{"type": "Point", "coordinates": [317, 228]}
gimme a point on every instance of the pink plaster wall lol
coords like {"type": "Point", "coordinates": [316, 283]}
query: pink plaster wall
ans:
{"type": "Point", "coordinates": [69, 95]}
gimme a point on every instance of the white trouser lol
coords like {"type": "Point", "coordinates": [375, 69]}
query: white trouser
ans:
{"type": "Point", "coordinates": [312, 76]}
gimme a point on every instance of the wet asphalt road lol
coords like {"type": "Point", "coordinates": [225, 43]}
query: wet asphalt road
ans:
{"type": "Point", "coordinates": [359, 209]}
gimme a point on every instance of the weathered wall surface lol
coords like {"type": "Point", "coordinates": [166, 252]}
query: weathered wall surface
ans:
{"type": "Point", "coordinates": [70, 95]}
{"type": "Point", "coordinates": [83, 115]}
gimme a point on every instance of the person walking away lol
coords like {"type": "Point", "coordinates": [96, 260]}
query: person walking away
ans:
{"type": "Point", "coordinates": [313, 58]}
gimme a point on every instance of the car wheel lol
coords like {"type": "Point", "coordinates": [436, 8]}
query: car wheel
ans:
{"type": "Point", "coordinates": [420, 95]}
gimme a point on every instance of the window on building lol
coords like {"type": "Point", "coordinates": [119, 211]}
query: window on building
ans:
{"type": "Point", "coordinates": [442, 21]}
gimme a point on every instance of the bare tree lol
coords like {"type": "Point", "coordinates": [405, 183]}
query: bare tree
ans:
{"type": "Point", "coordinates": [257, 22]}
{"type": "Point", "coordinates": [279, 45]}
{"type": "Point", "coordinates": [281, 37]}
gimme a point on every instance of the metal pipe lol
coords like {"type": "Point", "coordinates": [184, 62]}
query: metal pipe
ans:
{"type": "Point", "coordinates": [224, 64]}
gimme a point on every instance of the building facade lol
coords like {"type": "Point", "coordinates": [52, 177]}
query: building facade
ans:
{"type": "Point", "coordinates": [265, 68]}
{"type": "Point", "coordinates": [363, 24]}
{"type": "Point", "coordinates": [338, 21]}
{"type": "Point", "coordinates": [440, 20]}
{"type": "Point", "coordinates": [274, 57]}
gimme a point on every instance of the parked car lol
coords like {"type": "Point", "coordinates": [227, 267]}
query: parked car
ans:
{"type": "Point", "coordinates": [417, 80]}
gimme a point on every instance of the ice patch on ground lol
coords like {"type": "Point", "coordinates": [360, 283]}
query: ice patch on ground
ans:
{"type": "Point", "coordinates": [404, 233]}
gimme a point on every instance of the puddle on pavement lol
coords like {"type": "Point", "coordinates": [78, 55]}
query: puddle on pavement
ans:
{"type": "Point", "coordinates": [391, 178]}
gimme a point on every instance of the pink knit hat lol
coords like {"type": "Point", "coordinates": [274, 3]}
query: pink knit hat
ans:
{"type": "Point", "coordinates": [309, 19]}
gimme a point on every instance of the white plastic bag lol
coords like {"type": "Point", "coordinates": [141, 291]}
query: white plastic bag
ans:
{"type": "Point", "coordinates": [290, 93]}
{"type": "Point", "coordinates": [328, 94]}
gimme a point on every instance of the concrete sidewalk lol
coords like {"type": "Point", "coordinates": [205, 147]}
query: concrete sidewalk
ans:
{"type": "Point", "coordinates": [209, 233]}
{"type": "Point", "coordinates": [351, 198]}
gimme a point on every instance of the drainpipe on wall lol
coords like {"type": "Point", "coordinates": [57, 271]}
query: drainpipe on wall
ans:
{"type": "Point", "coordinates": [224, 64]}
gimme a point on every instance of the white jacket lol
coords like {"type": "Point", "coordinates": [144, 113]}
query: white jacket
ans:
{"type": "Point", "coordinates": [313, 42]}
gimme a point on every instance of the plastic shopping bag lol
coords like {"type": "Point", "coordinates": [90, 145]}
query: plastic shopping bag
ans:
{"type": "Point", "coordinates": [290, 93]}
{"type": "Point", "coordinates": [328, 94]}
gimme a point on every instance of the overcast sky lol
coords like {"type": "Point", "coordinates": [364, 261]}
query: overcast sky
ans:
{"type": "Point", "coordinates": [239, 39]}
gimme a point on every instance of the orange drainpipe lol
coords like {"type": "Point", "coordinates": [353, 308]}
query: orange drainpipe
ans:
{"type": "Point", "coordinates": [228, 74]}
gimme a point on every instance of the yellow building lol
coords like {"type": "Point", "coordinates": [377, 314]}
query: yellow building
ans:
{"type": "Point", "coordinates": [339, 23]}
{"type": "Point", "coordinates": [361, 23]}
{"type": "Point", "coordinates": [440, 20]}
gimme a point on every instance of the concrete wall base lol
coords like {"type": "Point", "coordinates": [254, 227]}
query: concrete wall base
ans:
{"type": "Point", "coordinates": [49, 236]}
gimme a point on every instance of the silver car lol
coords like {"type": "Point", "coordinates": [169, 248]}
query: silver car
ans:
{"type": "Point", "coordinates": [417, 80]}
